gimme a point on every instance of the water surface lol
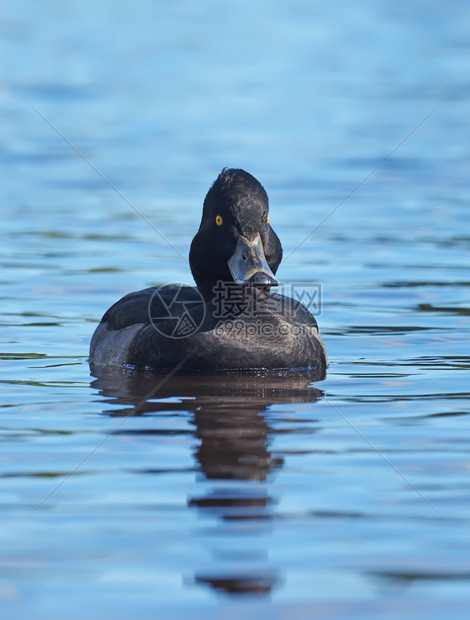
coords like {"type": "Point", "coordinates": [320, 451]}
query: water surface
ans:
{"type": "Point", "coordinates": [251, 495]}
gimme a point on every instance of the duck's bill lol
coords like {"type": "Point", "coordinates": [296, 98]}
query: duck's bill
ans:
{"type": "Point", "coordinates": [248, 264]}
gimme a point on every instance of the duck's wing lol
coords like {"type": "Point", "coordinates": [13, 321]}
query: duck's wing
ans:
{"type": "Point", "coordinates": [143, 307]}
{"type": "Point", "coordinates": [129, 310]}
{"type": "Point", "coordinates": [143, 328]}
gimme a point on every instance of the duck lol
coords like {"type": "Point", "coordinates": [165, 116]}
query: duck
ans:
{"type": "Point", "coordinates": [232, 320]}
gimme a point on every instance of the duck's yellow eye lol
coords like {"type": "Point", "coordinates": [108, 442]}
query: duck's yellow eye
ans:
{"type": "Point", "coordinates": [219, 220]}
{"type": "Point", "coordinates": [267, 219]}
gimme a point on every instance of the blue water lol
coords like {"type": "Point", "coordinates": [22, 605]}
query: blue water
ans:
{"type": "Point", "coordinates": [255, 496]}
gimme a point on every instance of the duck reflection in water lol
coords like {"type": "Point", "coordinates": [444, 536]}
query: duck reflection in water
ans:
{"type": "Point", "coordinates": [231, 422]}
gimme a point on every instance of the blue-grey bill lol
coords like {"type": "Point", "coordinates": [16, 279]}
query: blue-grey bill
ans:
{"type": "Point", "coordinates": [248, 264]}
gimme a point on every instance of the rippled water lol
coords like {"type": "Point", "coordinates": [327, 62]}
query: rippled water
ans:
{"type": "Point", "coordinates": [237, 495]}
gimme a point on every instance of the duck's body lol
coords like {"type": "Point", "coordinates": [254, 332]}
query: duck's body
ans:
{"type": "Point", "coordinates": [231, 320]}
{"type": "Point", "coordinates": [131, 335]}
